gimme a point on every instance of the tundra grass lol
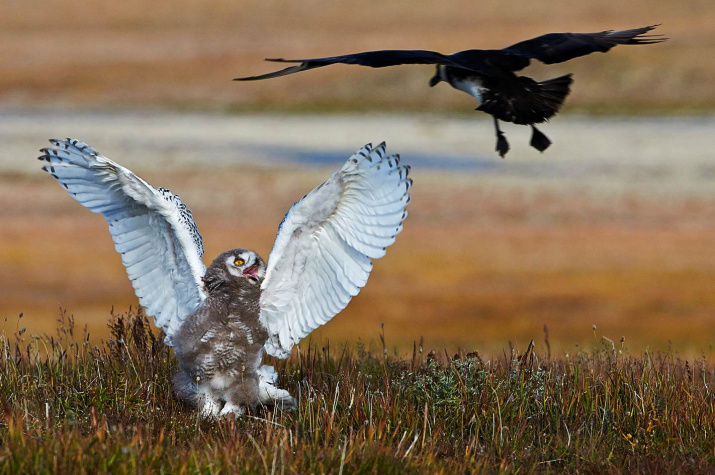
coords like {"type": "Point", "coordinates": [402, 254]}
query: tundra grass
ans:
{"type": "Point", "coordinates": [72, 407]}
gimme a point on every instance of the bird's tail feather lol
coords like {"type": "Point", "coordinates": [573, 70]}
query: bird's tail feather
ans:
{"type": "Point", "coordinates": [553, 92]}
{"type": "Point", "coordinates": [525, 101]}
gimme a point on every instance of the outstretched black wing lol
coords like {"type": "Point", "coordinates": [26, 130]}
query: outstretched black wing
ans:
{"type": "Point", "coordinates": [559, 47]}
{"type": "Point", "coordinates": [373, 59]}
{"type": "Point", "coordinates": [550, 48]}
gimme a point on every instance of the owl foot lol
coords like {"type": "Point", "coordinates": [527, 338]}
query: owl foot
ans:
{"type": "Point", "coordinates": [230, 408]}
{"type": "Point", "coordinates": [269, 394]}
{"type": "Point", "coordinates": [273, 396]}
{"type": "Point", "coordinates": [209, 407]}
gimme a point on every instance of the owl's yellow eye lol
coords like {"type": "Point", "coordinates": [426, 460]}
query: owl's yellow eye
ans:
{"type": "Point", "coordinates": [239, 262]}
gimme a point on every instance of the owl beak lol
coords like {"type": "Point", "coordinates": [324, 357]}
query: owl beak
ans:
{"type": "Point", "coordinates": [251, 271]}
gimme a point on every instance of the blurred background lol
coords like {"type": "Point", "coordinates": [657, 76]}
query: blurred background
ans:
{"type": "Point", "coordinates": [613, 226]}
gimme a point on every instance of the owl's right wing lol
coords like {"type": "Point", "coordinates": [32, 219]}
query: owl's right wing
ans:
{"type": "Point", "coordinates": [323, 250]}
{"type": "Point", "coordinates": [152, 229]}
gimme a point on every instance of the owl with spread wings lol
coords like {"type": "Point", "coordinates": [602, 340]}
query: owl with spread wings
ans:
{"type": "Point", "coordinates": [221, 319]}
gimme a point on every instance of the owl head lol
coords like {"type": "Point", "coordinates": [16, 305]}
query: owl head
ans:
{"type": "Point", "coordinates": [237, 266]}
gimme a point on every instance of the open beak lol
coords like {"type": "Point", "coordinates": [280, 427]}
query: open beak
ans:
{"type": "Point", "coordinates": [251, 271]}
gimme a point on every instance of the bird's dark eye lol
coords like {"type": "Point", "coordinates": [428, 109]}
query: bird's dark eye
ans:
{"type": "Point", "coordinates": [239, 262]}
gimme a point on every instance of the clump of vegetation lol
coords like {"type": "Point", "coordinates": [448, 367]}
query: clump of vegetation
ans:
{"type": "Point", "coordinates": [71, 407]}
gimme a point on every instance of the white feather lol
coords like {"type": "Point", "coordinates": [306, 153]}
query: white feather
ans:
{"type": "Point", "coordinates": [322, 253]}
{"type": "Point", "coordinates": [151, 228]}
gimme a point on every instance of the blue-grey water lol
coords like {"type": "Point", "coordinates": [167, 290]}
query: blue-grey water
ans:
{"type": "Point", "coordinates": [645, 155]}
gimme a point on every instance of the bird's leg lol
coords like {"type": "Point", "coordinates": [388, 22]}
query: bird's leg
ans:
{"type": "Point", "coordinates": [231, 408]}
{"type": "Point", "coordinates": [242, 395]}
{"type": "Point", "coordinates": [502, 145]}
{"type": "Point", "coordinates": [208, 406]}
{"type": "Point", "coordinates": [538, 140]}
{"type": "Point", "coordinates": [271, 395]}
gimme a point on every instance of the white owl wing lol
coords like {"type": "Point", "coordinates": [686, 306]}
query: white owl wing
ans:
{"type": "Point", "coordinates": [152, 229]}
{"type": "Point", "coordinates": [322, 253]}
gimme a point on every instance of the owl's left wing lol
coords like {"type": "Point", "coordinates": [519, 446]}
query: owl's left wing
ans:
{"type": "Point", "coordinates": [322, 253]}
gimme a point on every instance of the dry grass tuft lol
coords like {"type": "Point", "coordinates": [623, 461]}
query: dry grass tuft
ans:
{"type": "Point", "coordinates": [71, 407]}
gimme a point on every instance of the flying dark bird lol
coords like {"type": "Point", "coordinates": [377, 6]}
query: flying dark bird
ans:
{"type": "Point", "coordinates": [488, 75]}
{"type": "Point", "coordinates": [220, 320]}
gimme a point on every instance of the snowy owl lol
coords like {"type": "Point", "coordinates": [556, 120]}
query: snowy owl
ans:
{"type": "Point", "coordinates": [221, 319]}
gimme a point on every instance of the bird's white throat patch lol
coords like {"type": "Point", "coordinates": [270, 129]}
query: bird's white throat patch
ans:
{"type": "Point", "coordinates": [472, 87]}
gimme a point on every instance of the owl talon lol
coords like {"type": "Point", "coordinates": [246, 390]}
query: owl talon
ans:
{"type": "Point", "coordinates": [273, 396]}
{"type": "Point", "coordinates": [230, 408]}
{"type": "Point", "coordinates": [210, 408]}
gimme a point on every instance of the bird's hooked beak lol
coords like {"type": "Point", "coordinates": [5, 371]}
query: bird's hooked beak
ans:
{"type": "Point", "coordinates": [251, 271]}
{"type": "Point", "coordinates": [435, 79]}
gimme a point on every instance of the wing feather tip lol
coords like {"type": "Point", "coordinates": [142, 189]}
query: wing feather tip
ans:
{"type": "Point", "coordinates": [381, 149]}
